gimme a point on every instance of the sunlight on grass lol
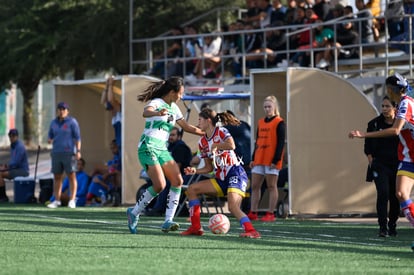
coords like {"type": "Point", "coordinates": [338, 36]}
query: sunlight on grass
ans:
{"type": "Point", "coordinates": [36, 240]}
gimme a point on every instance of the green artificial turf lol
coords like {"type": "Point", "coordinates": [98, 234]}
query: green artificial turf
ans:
{"type": "Point", "coordinates": [38, 240]}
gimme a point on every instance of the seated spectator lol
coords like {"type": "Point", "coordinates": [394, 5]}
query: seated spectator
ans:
{"type": "Point", "coordinates": [346, 34]}
{"type": "Point", "coordinates": [232, 44]}
{"type": "Point", "coordinates": [322, 8]}
{"type": "Point", "coordinates": [364, 27]}
{"type": "Point", "coordinates": [375, 8]}
{"type": "Point", "coordinates": [263, 18]}
{"type": "Point", "coordinates": [206, 66]}
{"type": "Point", "coordinates": [253, 49]}
{"type": "Point", "coordinates": [302, 58]}
{"type": "Point", "coordinates": [18, 165]}
{"type": "Point", "coordinates": [394, 14]}
{"type": "Point", "coordinates": [323, 37]}
{"type": "Point", "coordinates": [276, 44]}
{"type": "Point", "coordinates": [83, 180]}
{"type": "Point", "coordinates": [252, 12]}
{"type": "Point", "coordinates": [193, 48]}
{"type": "Point", "coordinates": [278, 13]}
{"type": "Point", "coordinates": [106, 181]}
{"type": "Point", "coordinates": [175, 50]}
{"type": "Point", "coordinates": [291, 12]}
{"type": "Point", "coordinates": [301, 38]}
{"type": "Point", "coordinates": [325, 40]}
{"type": "Point", "coordinates": [404, 38]}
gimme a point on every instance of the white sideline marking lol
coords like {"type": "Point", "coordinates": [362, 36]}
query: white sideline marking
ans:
{"type": "Point", "coordinates": [278, 234]}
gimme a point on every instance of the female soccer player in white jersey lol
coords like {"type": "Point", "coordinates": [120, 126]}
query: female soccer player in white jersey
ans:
{"type": "Point", "coordinates": [160, 113]}
{"type": "Point", "coordinates": [217, 149]}
{"type": "Point", "coordinates": [397, 88]}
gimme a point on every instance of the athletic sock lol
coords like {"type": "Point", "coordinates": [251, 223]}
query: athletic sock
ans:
{"type": "Point", "coordinates": [173, 199]}
{"type": "Point", "coordinates": [195, 213]}
{"type": "Point", "coordinates": [408, 210]}
{"type": "Point", "coordinates": [246, 224]}
{"type": "Point", "coordinates": [144, 200]}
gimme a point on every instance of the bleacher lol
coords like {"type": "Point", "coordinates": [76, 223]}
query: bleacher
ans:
{"type": "Point", "coordinates": [374, 62]}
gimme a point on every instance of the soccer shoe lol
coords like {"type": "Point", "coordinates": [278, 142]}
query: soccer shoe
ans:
{"type": "Point", "coordinates": [268, 217]}
{"type": "Point", "coordinates": [383, 233]}
{"type": "Point", "coordinates": [4, 199]}
{"type": "Point", "coordinates": [169, 226]}
{"type": "Point", "coordinates": [251, 234]}
{"type": "Point", "coordinates": [132, 221]}
{"type": "Point", "coordinates": [72, 204]}
{"type": "Point", "coordinates": [54, 204]}
{"type": "Point", "coordinates": [193, 231]}
{"type": "Point", "coordinates": [392, 230]}
{"type": "Point", "coordinates": [252, 216]}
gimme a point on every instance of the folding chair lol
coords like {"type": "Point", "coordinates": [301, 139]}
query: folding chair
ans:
{"type": "Point", "coordinates": [203, 199]}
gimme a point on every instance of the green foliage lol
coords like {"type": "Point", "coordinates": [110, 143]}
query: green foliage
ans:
{"type": "Point", "coordinates": [38, 240]}
{"type": "Point", "coordinates": [43, 39]}
{"type": "Point", "coordinates": [159, 16]}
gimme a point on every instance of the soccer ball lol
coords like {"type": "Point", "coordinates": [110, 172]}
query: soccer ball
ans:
{"type": "Point", "coordinates": [219, 224]}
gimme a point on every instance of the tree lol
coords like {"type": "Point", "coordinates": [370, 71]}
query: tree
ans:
{"type": "Point", "coordinates": [43, 39]}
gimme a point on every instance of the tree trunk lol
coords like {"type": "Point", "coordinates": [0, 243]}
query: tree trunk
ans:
{"type": "Point", "coordinates": [28, 89]}
{"type": "Point", "coordinates": [79, 73]}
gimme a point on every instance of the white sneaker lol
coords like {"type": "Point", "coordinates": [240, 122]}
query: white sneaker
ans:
{"type": "Point", "coordinates": [72, 204]}
{"type": "Point", "coordinates": [322, 64]}
{"type": "Point", "coordinates": [54, 204]}
{"type": "Point", "coordinates": [283, 64]}
{"type": "Point", "coordinates": [190, 80]}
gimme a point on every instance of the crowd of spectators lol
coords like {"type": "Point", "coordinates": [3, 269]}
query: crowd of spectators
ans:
{"type": "Point", "coordinates": [343, 29]}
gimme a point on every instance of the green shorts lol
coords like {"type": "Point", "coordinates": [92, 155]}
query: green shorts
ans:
{"type": "Point", "coordinates": [150, 156]}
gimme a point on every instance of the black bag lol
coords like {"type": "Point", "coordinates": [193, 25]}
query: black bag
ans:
{"type": "Point", "coordinates": [46, 190]}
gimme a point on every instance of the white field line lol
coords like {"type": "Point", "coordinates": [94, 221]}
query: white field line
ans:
{"type": "Point", "coordinates": [269, 234]}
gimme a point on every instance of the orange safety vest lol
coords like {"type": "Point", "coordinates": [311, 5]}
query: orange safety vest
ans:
{"type": "Point", "coordinates": [266, 142]}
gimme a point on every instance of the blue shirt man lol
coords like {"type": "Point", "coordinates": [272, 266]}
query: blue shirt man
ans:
{"type": "Point", "coordinates": [18, 165]}
{"type": "Point", "coordinates": [64, 134]}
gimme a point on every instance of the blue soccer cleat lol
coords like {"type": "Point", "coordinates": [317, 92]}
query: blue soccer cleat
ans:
{"type": "Point", "coordinates": [132, 221]}
{"type": "Point", "coordinates": [169, 226]}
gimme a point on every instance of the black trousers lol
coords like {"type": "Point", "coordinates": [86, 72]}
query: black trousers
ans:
{"type": "Point", "coordinates": [385, 183]}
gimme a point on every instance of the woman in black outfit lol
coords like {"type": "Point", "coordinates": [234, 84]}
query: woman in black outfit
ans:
{"type": "Point", "coordinates": [383, 164]}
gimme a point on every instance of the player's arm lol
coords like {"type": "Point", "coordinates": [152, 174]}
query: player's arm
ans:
{"type": "Point", "coordinates": [227, 144]}
{"type": "Point", "coordinates": [189, 128]}
{"type": "Point", "coordinates": [150, 111]}
{"type": "Point", "coordinates": [392, 131]}
{"type": "Point", "coordinates": [208, 167]}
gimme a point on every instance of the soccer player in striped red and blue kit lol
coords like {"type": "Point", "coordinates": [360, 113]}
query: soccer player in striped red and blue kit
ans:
{"type": "Point", "coordinates": [397, 89]}
{"type": "Point", "coordinates": [217, 149]}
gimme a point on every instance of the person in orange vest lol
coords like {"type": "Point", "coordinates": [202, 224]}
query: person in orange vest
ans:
{"type": "Point", "coordinates": [267, 158]}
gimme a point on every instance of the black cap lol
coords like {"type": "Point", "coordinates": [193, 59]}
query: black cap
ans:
{"type": "Point", "coordinates": [13, 132]}
{"type": "Point", "coordinates": [63, 105]}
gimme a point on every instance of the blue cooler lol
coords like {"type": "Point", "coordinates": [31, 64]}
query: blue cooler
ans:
{"type": "Point", "coordinates": [24, 188]}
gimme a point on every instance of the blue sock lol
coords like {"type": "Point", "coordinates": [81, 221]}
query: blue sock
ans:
{"type": "Point", "coordinates": [406, 203]}
{"type": "Point", "coordinates": [194, 202]}
{"type": "Point", "coordinates": [244, 220]}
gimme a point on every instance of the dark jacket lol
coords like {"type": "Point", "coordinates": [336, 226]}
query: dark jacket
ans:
{"type": "Point", "coordinates": [383, 150]}
{"type": "Point", "coordinates": [181, 153]}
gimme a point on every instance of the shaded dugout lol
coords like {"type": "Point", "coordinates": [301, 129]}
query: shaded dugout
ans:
{"type": "Point", "coordinates": [326, 169]}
